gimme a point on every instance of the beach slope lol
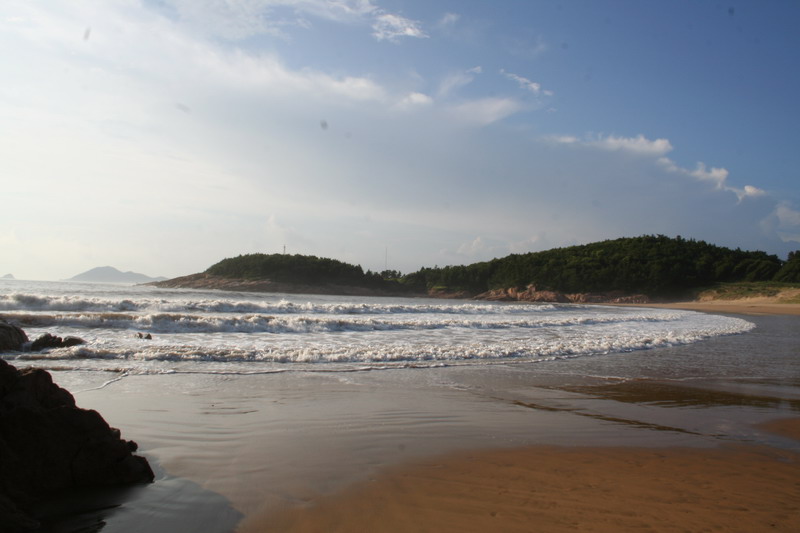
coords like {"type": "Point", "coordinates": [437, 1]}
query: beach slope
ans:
{"type": "Point", "coordinates": [567, 489]}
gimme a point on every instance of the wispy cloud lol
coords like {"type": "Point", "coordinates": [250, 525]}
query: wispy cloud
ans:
{"type": "Point", "coordinates": [484, 111]}
{"type": "Point", "coordinates": [715, 175]}
{"type": "Point", "coordinates": [785, 222]}
{"type": "Point", "coordinates": [246, 18]}
{"type": "Point", "coordinates": [390, 27]}
{"type": "Point", "coordinates": [413, 100]}
{"type": "Point", "coordinates": [458, 79]}
{"type": "Point", "coordinates": [525, 83]}
{"type": "Point", "coordinates": [787, 215]}
{"type": "Point", "coordinates": [658, 148]}
{"type": "Point", "coordinates": [639, 145]}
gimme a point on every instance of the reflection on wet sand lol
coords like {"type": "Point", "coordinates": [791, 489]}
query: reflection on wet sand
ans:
{"type": "Point", "coordinates": [664, 394]}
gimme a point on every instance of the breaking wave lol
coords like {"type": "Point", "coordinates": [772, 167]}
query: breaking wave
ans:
{"type": "Point", "coordinates": [245, 332]}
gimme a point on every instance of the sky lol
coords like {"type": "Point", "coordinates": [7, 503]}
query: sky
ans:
{"type": "Point", "coordinates": [161, 136]}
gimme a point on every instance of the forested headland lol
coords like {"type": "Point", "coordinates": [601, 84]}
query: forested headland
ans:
{"type": "Point", "coordinates": [653, 265]}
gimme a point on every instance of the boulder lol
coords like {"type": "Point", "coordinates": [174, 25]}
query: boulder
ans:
{"type": "Point", "coordinates": [11, 337]}
{"type": "Point", "coordinates": [51, 341]}
{"type": "Point", "coordinates": [495, 295]}
{"type": "Point", "coordinates": [49, 445]}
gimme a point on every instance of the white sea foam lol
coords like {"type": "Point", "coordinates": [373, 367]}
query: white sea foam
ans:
{"type": "Point", "coordinates": [77, 303]}
{"type": "Point", "coordinates": [245, 333]}
{"type": "Point", "coordinates": [314, 322]}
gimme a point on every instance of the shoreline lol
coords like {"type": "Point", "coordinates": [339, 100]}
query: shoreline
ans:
{"type": "Point", "coordinates": [731, 486]}
{"type": "Point", "coordinates": [749, 306]}
{"type": "Point", "coordinates": [545, 488]}
{"type": "Point", "coordinates": [755, 306]}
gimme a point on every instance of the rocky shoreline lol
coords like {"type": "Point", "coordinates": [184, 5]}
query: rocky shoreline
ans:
{"type": "Point", "coordinates": [531, 294]}
{"type": "Point", "coordinates": [48, 445]}
{"type": "Point", "coordinates": [210, 281]}
{"type": "Point", "coordinates": [513, 294]}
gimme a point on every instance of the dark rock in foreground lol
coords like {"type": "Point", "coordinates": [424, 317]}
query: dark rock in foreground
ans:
{"type": "Point", "coordinates": [14, 339]}
{"type": "Point", "coordinates": [48, 445]}
{"type": "Point", "coordinates": [11, 337]}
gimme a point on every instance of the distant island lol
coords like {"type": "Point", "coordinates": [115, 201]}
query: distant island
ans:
{"type": "Point", "coordinates": [109, 274]}
{"type": "Point", "coordinates": [302, 274]}
{"type": "Point", "coordinates": [625, 270]}
{"type": "Point", "coordinates": [8, 276]}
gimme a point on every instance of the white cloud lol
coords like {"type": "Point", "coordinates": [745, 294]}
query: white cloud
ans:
{"type": "Point", "coordinates": [750, 192]}
{"type": "Point", "coordinates": [560, 139]}
{"type": "Point", "coordinates": [714, 175]}
{"type": "Point", "coordinates": [229, 20]}
{"type": "Point", "coordinates": [484, 111]}
{"type": "Point", "coordinates": [788, 216]}
{"type": "Point", "coordinates": [639, 145]}
{"type": "Point", "coordinates": [525, 83]}
{"type": "Point", "coordinates": [387, 26]}
{"type": "Point", "coordinates": [415, 99]}
{"type": "Point", "coordinates": [786, 223]}
{"type": "Point", "coordinates": [246, 18]}
{"type": "Point", "coordinates": [338, 10]}
{"type": "Point", "coordinates": [473, 248]}
{"type": "Point", "coordinates": [457, 80]}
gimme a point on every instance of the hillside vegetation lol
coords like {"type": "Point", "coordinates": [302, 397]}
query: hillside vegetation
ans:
{"type": "Point", "coordinates": [303, 269]}
{"type": "Point", "coordinates": [781, 292]}
{"type": "Point", "coordinates": [654, 265]}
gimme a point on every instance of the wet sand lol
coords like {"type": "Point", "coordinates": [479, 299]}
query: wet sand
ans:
{"type": "Point", "coordinates": [752, 306]}
{"type": "Point", "coordinates": [729, 487]}
{"type": "Point", "coordinates": [566, 489]}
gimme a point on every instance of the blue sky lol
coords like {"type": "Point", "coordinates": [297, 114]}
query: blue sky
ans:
{"type": "Point", "coordinates": [161, 136]}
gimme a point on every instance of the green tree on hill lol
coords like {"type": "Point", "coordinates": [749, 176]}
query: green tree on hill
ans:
{"type": "Point", "coordinates": [652, 264]}
{"type": "Point", "coordinates": [291, 269]}
{"type": "Point", "coordinates": [790, 272]}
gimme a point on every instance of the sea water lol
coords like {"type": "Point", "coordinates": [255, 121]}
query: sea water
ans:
{"type": "Point", "coordinates": [143, 329]}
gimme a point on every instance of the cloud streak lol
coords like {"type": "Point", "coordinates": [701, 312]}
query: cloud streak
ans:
{"type": "Point", "coordinates": [390, 27]}
{"type": "Point", "coordinates": [528, 85]}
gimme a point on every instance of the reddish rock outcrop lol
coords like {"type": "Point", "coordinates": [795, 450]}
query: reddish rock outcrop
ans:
{"type": "Point", "coordinates": [530, 294]}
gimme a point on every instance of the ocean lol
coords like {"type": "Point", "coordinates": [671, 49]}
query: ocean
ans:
{"type": "Point", "coordinates": [142, 329]}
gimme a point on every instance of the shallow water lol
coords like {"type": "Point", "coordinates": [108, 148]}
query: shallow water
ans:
{"type": "Point", "coordinates": [238, 436]}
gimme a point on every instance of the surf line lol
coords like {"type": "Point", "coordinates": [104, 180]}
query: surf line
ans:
{"type": "Point", "coordinates": [106, 384]}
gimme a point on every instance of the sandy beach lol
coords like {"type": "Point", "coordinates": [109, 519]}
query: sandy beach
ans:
{"type": "Point", "coordinates": [752, 306]}
{"type": "Point", "coordinates": [567, 489]}
{"type": "Point", "coordinates": [726, 488]}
